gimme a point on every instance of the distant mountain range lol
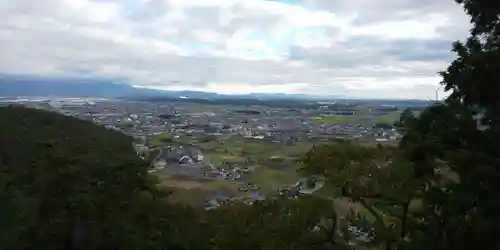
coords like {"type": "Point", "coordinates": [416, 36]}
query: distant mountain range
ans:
{"type": "Point", "coordinates": [35, 86]}
{"type": "Point", "coordinates": [26, 86]}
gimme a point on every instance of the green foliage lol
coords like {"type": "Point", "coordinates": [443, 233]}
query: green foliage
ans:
{"type": "Point", "coordinates": [69, 184]}
{"type": "Point", "coordinates": [460, 135]}
{"type": "Point", "coordinates": [456, 137]}
{"type": "Point", "coordinates": [378, 179]}
{"type": "Point", "coordinates": [273, 224]}
{"type": "Point", "coordinates": [407, 116]}
{"type": "Point", "coordinates": [406, 119]}
{"type": "Point", "coordinates": [389, 118]}
{"type": "Point", "coordinates": [161, 139]}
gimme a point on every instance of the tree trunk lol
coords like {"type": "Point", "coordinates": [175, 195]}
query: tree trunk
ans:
{"type": "Point", "coordinates": [406, 206]}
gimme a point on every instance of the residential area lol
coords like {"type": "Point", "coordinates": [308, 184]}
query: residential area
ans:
{"type": "Point", "coordinates": [218, 153]}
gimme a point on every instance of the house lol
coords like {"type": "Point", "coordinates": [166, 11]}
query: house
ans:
{"type": "Point", "coordinates": [216, 201]}
{"type": "Point", "coordinates": [159, 164]}
{"type": "Point", "coordinates": [186, 160]}
{"type": "Point", "coordinates": [180, 155]}
{"type": "Point", "coordinates": [141, 148]}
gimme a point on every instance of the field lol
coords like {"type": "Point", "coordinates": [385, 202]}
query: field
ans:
{"type": "Point", "coordinates": [389, 118]}
{"type": "Point", "coordinates": [270, 180]}
{"type": "Point", "coordinates": [195, 192]}
{"type": "Point", "coordinates": [334, 119]}
{"type": "Point", "coordinates": [240, 150]}
{"type": "Point", "coordinates": [274, 164]}
{"type": "Point", "coordinates": [219, 159]}
{"type": "Point", "coordinates": [363, 116]}
{"type": "Point", "coordinates": [160, 139]}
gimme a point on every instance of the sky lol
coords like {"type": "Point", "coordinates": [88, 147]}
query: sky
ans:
{"type": "Point", "coordinates": [353, 48]}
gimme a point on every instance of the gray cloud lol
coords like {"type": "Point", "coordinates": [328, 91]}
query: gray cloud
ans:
{"type": "Point", "coordinates": [388, 10]}
{"type": "Point", "coordinates": [362, 51]}
{"type": "Point", "coordinates": [160, 44]}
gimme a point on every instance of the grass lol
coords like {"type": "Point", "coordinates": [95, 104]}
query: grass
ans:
{"type": "Point", "coordinates": [327, 191]}
{"type": "Point", "coordinates": [194, 192]}
{"type": "Point", "coordinates": [181, 184]}
{"type": "Point", "coordinates": [221, 185]}
{"type": "Point", "coordinates": [389, 118]}
{"type": "Point", "coordinates": [220, 158]}
{"type": "Point", "coordinates": [167, 138]}
{"type": "Point", "coordinates": [208, 146]}
{"type": "Point", "coordinates": [236, 150]}
{"type": "Point", "coordinates": [161, 139]}
{"type": "Point", "coordinates": [260, 147]}
{"type": "Point", "coordinates": [270, 180]}
{"type": "Point", "coordinates": [299, 149]}
{"type": "Point", "coordinates": [334, 119]}
{"type": "Point", "coordinates": [363, 115]}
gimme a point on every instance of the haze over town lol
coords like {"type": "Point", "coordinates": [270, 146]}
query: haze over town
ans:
{"type": "Point", "coordinates": [356, 48]}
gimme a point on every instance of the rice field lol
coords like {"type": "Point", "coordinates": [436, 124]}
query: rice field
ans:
{"type": "Point", "coordinates": [334, 119]}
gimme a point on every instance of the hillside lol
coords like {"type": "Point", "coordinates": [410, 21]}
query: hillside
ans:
{"type": "Point", "coordinates": [28, 133]}
{"type": "Point", "coordinates": [66, 183]}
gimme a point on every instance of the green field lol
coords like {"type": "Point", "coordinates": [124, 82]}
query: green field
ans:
{"type": "Point", "coordinates": [300, 149]}
{"type": "Point", "coordinates": [389, 118]}
{"type": "Point", "coordinates": [160, 139]}
{"type": "Point", "coordinates": [254, 148]}
{"type": "Point", "coordinates": [363, 115]}
{"type": "Point", "coordinates": [270, 180]}
{"type": "Point", "coordinates": [334, 119]}
{"type": "Point", "coordinates": [219, 159]}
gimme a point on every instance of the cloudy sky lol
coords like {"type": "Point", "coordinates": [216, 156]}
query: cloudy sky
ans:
{"type": "Point", "coordinates": [357, 48]}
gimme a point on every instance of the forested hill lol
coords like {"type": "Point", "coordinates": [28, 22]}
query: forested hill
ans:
{"type": "Point", "coordinates": [67, 183]}
{"type": "Point", "coordinates": [28, 134]}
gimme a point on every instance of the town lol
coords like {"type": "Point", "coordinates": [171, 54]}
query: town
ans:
{"type": "Point", "coordinates": [214, 153]}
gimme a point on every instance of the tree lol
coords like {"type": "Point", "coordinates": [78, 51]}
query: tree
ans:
{"type": "Point", "coordinates": [460, 135]}
{"type": "Point", "coordinates": [378, 179]}
{"type": "Point", "coordinates": [407, 117]}
{"type": "Point", "coordinates": [70, 184]}
{"type": "Point", "coordinates": [274, 224]}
